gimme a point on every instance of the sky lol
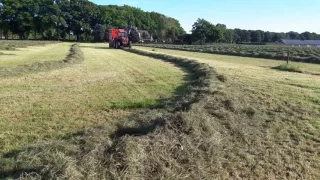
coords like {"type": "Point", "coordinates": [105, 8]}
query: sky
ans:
{"type": "Point", "coordinates": [267, 15]}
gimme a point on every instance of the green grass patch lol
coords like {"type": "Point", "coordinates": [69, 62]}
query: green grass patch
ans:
{"type": "Point", "coordinates": [289, 68]}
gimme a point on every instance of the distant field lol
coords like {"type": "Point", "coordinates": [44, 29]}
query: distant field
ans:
{"type": "Point", "coordinates": [258, 73]}
{"type": "Point", "coordinates": [299, 54]}
{"type": "Point", "coordinates": [31, 54]}
{"type": "Point", "coordinates": [14, 44]}
{"type": "Point", "coordinates": [46, 105]}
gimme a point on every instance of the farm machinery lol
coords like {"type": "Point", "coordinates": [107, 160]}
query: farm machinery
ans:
{"type": "Point", "coordinates": [119, 38]}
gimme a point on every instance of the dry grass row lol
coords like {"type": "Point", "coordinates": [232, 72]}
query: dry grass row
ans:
{"type": "Point", "coordinates": [74, 56]}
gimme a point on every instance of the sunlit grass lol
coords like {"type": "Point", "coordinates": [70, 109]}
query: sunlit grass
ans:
{"type": "Point", "coordinates": [31, 54]}
{"type": "Point", "coordinates": [50, 104]}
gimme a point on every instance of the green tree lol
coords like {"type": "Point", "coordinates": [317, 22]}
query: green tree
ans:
{"type": "Point", "coordinates": [99, 32]}
{"type": "Point", "coordinates": [204, 31]}
{"type": "Point", "coordinates": [214, 34]}
{"type": "Point", "coordinates": [293, 35]}
{"type": "Point", "coordinates": [306, 35]}
{"type": "Point", "coordinates": [256, 36]}
{"type": "Point", "coordinates": [267, 36]}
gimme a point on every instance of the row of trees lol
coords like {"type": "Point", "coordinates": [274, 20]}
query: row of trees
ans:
{"type": "Point", "coordinates": [56, 19]}
{"type": "Point", "coordinates": [204, 31]}
{"type": "Point", "coordinates": [64, 19]}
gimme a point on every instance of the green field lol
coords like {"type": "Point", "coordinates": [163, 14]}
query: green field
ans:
{"type": "Point", "coordinates": [279, 52]}
{"type": "Point", "coordinates": [50, 104]}
{"type": "Point", "coordinates": [256, 76]}
{"type": "Point", "coordinates": [239, 118]}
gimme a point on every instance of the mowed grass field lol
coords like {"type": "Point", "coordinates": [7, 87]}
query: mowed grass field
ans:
{"type": "Point", "coordinates": [281, 135]}
{"type": "Point", "coordinates": [240, 118]}
{"type": "Point", "coordinates": [253, 75]}
{"type": "Point", "coordinates": [104, 86]}
{"type": "Point", "coordinates": [31, 54]}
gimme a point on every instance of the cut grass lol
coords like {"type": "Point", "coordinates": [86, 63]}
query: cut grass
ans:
{"type": "Point", "coordinates": [243, 122]}
{"type": "Point", "coordinates": [74, 56]}
{"type": "Point", "coordinates": [268, 63]}
{"type": "Point", "coordinates": [298, 54]}
{"type": "Point", "coordinates": [282, 111]}
{"type": "Point", "coordinates": [48, 105]}
{"type": "Point", "coordinates": [12, 45]}
{"type": "Point", "coordinates": [32, 54]}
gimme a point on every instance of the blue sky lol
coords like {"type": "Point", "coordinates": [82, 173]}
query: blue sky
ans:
{"type": "Point", "coordinates": [269, 15]}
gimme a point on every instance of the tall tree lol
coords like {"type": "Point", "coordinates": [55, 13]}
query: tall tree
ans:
{"type": "Point", "coordinates": [293, 35]}
{"type": "Point", "coordinates": [203, 31]}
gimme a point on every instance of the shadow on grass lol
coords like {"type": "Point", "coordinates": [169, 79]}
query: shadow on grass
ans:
{"type": "Point", "coordinates": [16, 173]}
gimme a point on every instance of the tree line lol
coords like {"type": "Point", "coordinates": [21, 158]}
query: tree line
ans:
{"type": "Point", "coordinates": [64, 19]}
{"type": "Point", "coordinates": [87, 21]}
{"type": "Point", "coordinates": [204, 31]}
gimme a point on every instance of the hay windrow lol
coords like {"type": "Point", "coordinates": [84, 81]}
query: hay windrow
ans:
{"type": "Point", "coordinates": [75, 56]}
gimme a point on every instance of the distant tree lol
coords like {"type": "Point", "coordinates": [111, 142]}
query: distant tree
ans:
{"type": "Point", "coordinates": [256, 36]}
{"type": "Point", "coordinates": [221, 26]}
{"type": "Point", "coordinates": [293, 35]}
{"type": "Point", "coordinates": [267, 36]}
{"type": "Point", "coordinates": [99, 33]}
{"type": "Point", "coordinates": [238, 35]}
{"type": "Point", "coordinates": [229, 36]}
{"type": "Point", "coordinates": [214, 34]}
{"type": "Point", "coordinates": [302, 37]}
{"type": "Point", "coordinates": [188, 38]}
{"type": "Point", "coordinates": [246, 36]}
{"type": "Point", "coordinates": [203, 31]}
{"type": "Point", "coordinates": [307, 35]}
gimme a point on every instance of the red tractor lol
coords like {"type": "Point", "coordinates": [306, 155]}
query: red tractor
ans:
{"type": "Point", "coordinates": [118, 38]}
